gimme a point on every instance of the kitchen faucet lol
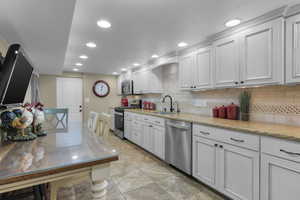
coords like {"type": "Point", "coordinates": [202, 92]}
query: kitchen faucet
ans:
{"type": "Point", "coordinates": [171, 102]}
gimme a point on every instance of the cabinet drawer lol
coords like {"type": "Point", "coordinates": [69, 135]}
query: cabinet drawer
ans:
{"type": "Point", "coordinates": [204, 131]}
{"type": "Point", "coordinates": [227, 136]}
{"type": "Point", "coordinates": [281, 148]}
{"type": "Point", "coordinates": [239, 138]}
{"type": "Point", "coordinates": [157, 121]}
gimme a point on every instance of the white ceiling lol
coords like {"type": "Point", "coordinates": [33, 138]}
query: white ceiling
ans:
{"type": "Point", "coordinates": [140, 28]}
{"type": "Point", "coordinates": [42, 27]}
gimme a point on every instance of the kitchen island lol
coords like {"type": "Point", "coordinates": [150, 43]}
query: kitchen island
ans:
{"type": "Point", "coordinates": [62, 155]}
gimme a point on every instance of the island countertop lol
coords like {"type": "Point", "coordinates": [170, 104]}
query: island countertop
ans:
{"type": "Point", "coordinates": [259, 128]}
{"type": "Point", "coordinates": [61, 150]}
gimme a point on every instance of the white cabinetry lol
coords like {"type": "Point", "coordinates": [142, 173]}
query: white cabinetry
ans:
{"type": "Point", "coordinates": [262, 54]}
{"type": "Point", "coordinates": [147, 81]}
{"type": "Point", "coordinates": [147, 132]}
{"type": "Point", "coordinates": [252, 57]}
{"type": "Point", "coordinates": [205, 160]}
{"type": "Point", "coordinates": [226, 59]}
{"type": "Point", "coordinates": [195, 70]}
{"type": "Point", "coordinates": [280, 169]}
{"type": "Point", "coordinates": [120, 79]}
{"type": "Point", "coordinates": [239, 172]}
{"type": "Point", "coordinates": [186, 71]}
{"type": "Point", "coordinates": [231, 168]}
{"type": "Point", "coordinates": [293, 49]}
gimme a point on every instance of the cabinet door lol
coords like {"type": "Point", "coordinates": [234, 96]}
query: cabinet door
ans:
{"type": "Point", "coordinates": [119, 84]}
{"type": "Point", "coordinates": [203, 69]}
{"type": "Point", "coordinates": [279, 179]}
{"type": "Point", "coordinates": [239, 172]}
{"type": "Point", "coordinates": [155, 80]}
{"type": "Point", "coordinates": [293, 49]}
{"type": "Point", "coordinates": [127, 128]}
{"type": "Point", "coordinates": [262, 54]}
{"type": "Point", "coordinates": [186, 71]}
{"type": "Point", "coordinates": [205, 160]}
{"type": "Point", "coordinates": [159, 141]}
{"type": "Point", "coordinates": [148, 137]}
{"type": "Point", "coordinates": [226, 61]}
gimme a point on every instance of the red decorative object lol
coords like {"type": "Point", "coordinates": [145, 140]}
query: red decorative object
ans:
{"type": "Point", "coordinates": [215, 112]}
{"type": "Point", "coordinates": [223, 112]}
{"type": "Point", "coordinates": [124, 102]}
{"type": "Point", "coordinates": [232, 111]}
{"type": "Point", "coordinates": [152, 106]}
{"type": "Point", "coordinates": [101, 88]}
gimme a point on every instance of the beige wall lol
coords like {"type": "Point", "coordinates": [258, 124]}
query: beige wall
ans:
{"type": "Point", "coordinates": [47, 84]}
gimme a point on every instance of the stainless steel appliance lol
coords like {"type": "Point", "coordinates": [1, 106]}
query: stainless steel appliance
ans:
{"type": "Point", "coordinates": [119, 117]}
{"type": "Point", "coordinates": [179, 145]}
{"type": "Point", "coordinates": [127, 87]}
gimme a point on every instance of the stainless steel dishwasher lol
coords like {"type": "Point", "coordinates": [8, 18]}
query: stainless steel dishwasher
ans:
{"type": "Point", "coordinates": [179, 145]}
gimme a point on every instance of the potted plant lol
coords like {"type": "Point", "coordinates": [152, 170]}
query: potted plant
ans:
{"type": "Point", "coordinates": [245, 97]}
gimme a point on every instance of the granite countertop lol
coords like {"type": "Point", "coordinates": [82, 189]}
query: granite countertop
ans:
{"type": "Point", "coordinates": [259, 128]}
{"type": "Point", "coordinates": [63, 149]}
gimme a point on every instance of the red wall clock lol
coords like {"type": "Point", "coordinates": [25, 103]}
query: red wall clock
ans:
{"type": "Point", "coordinates": [101, 88]}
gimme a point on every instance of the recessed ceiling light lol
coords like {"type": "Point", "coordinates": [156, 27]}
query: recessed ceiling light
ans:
{"type": "Point", "coordinates": [91, 44]}
{"type": "Point", "coordinates": [182, 44]}
{"type": "Point", "coordinates": [154, 56]}
{"type": "Point", "coordinates": [84, 57]}
{"type": "Point", "coordinates": [103, 23]}
{"type": "Point", "coordinates": [136, 64]}
{"type": "Point", "coordinates": [233, 22]}
{"type": "Point", "coordinates": [115, 73]}
{"type": "Point", "coordinates": [78, 64]}
{"type": "Point", "coordinates": [75, 69]}
{"type": "Point", "coordinates": [123, 69]}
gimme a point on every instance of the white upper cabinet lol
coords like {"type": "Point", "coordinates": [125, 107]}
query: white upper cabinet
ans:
{"type": "Point", "coordinates": [293, 49]}
{"type": "Point", "coordinates": [120, 79]}
{"type": "Point", "coordinates": [186, 71]}
{"type": "Point", "coordinates": [262, 54]}
{"type": "Point", "coordinates": [147, 81]}
{"type": "Point", "coordinates": [226, 60]}
{"type": "Point", "coordinates": [203, 69]}
{"type": "Point", "coordinates": [195, 70]}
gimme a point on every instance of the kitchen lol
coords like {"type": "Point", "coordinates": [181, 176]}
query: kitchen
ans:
{"type": "Point", "coordinates": [192, 100]}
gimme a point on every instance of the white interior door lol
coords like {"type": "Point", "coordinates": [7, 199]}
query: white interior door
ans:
{"type": "Point", "coordinates": [69, 95]}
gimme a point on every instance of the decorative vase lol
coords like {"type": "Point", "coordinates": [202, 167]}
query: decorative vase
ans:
{"type": "Point", "coordinates": [245, 116]}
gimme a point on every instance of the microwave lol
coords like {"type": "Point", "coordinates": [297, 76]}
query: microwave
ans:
{"type": "Point", "coordinates": [127, 87]}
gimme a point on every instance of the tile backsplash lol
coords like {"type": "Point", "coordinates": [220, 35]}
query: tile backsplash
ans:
{"type": "Point", "coordinates": [276, 104]}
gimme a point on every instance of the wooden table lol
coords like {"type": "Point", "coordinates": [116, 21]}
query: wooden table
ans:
{"type": "Point", "coordinates": [60, 155]}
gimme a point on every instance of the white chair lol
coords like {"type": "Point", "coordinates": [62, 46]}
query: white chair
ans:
{"type": "Point", "coordinates": [103, 124]}
{"type": "Point", "coordinates": [93, 121]}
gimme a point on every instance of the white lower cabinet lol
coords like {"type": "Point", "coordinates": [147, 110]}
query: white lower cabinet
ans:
{"type": "Point", "coordinates": [205, 160]}
{"type": "Point", "coordinates": [280, 178]}
{"type": "Point", "coordinates": [159, 141]}
{"type": "Point", "coordinates": [231, 169]}
{"type": "Point", "coordinates": [239, 172]}
{"type": "Point", "coordinates": [148, 133]}
{"type": "Point", "coordinates": [280, 169]}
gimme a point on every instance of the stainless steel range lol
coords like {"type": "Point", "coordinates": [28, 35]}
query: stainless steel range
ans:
{"type": "Point", "coordinates": [119, 117]}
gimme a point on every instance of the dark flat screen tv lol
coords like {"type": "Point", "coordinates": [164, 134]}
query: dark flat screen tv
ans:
{"type": "Point", "coordinates": [15, 75]}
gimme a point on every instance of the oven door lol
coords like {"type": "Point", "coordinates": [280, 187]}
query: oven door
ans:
{"type": "Point", "coordinates": [119, 121]}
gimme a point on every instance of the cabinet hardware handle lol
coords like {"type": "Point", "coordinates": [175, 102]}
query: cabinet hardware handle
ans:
{"type": "Point", "coordinates": [291, 153]}
{"type": "Point", "coordinates": [221, 146]}
{"type": "Point", "coordinates": [150, 126]}
{"type": "Point", "coordinates": [216, 145]}
{"type": "Point", "coordinates": [237, 140]}
{"type": "Point", "coordinates": [242, 82]}
{"type": "Point", "coordinates": [236, 82]}
{"type": "Point", "coordinates": [205, 133]}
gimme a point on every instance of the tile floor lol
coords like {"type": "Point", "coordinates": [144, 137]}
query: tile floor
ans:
{"type": "Point", "coordinates": [138, 175]}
